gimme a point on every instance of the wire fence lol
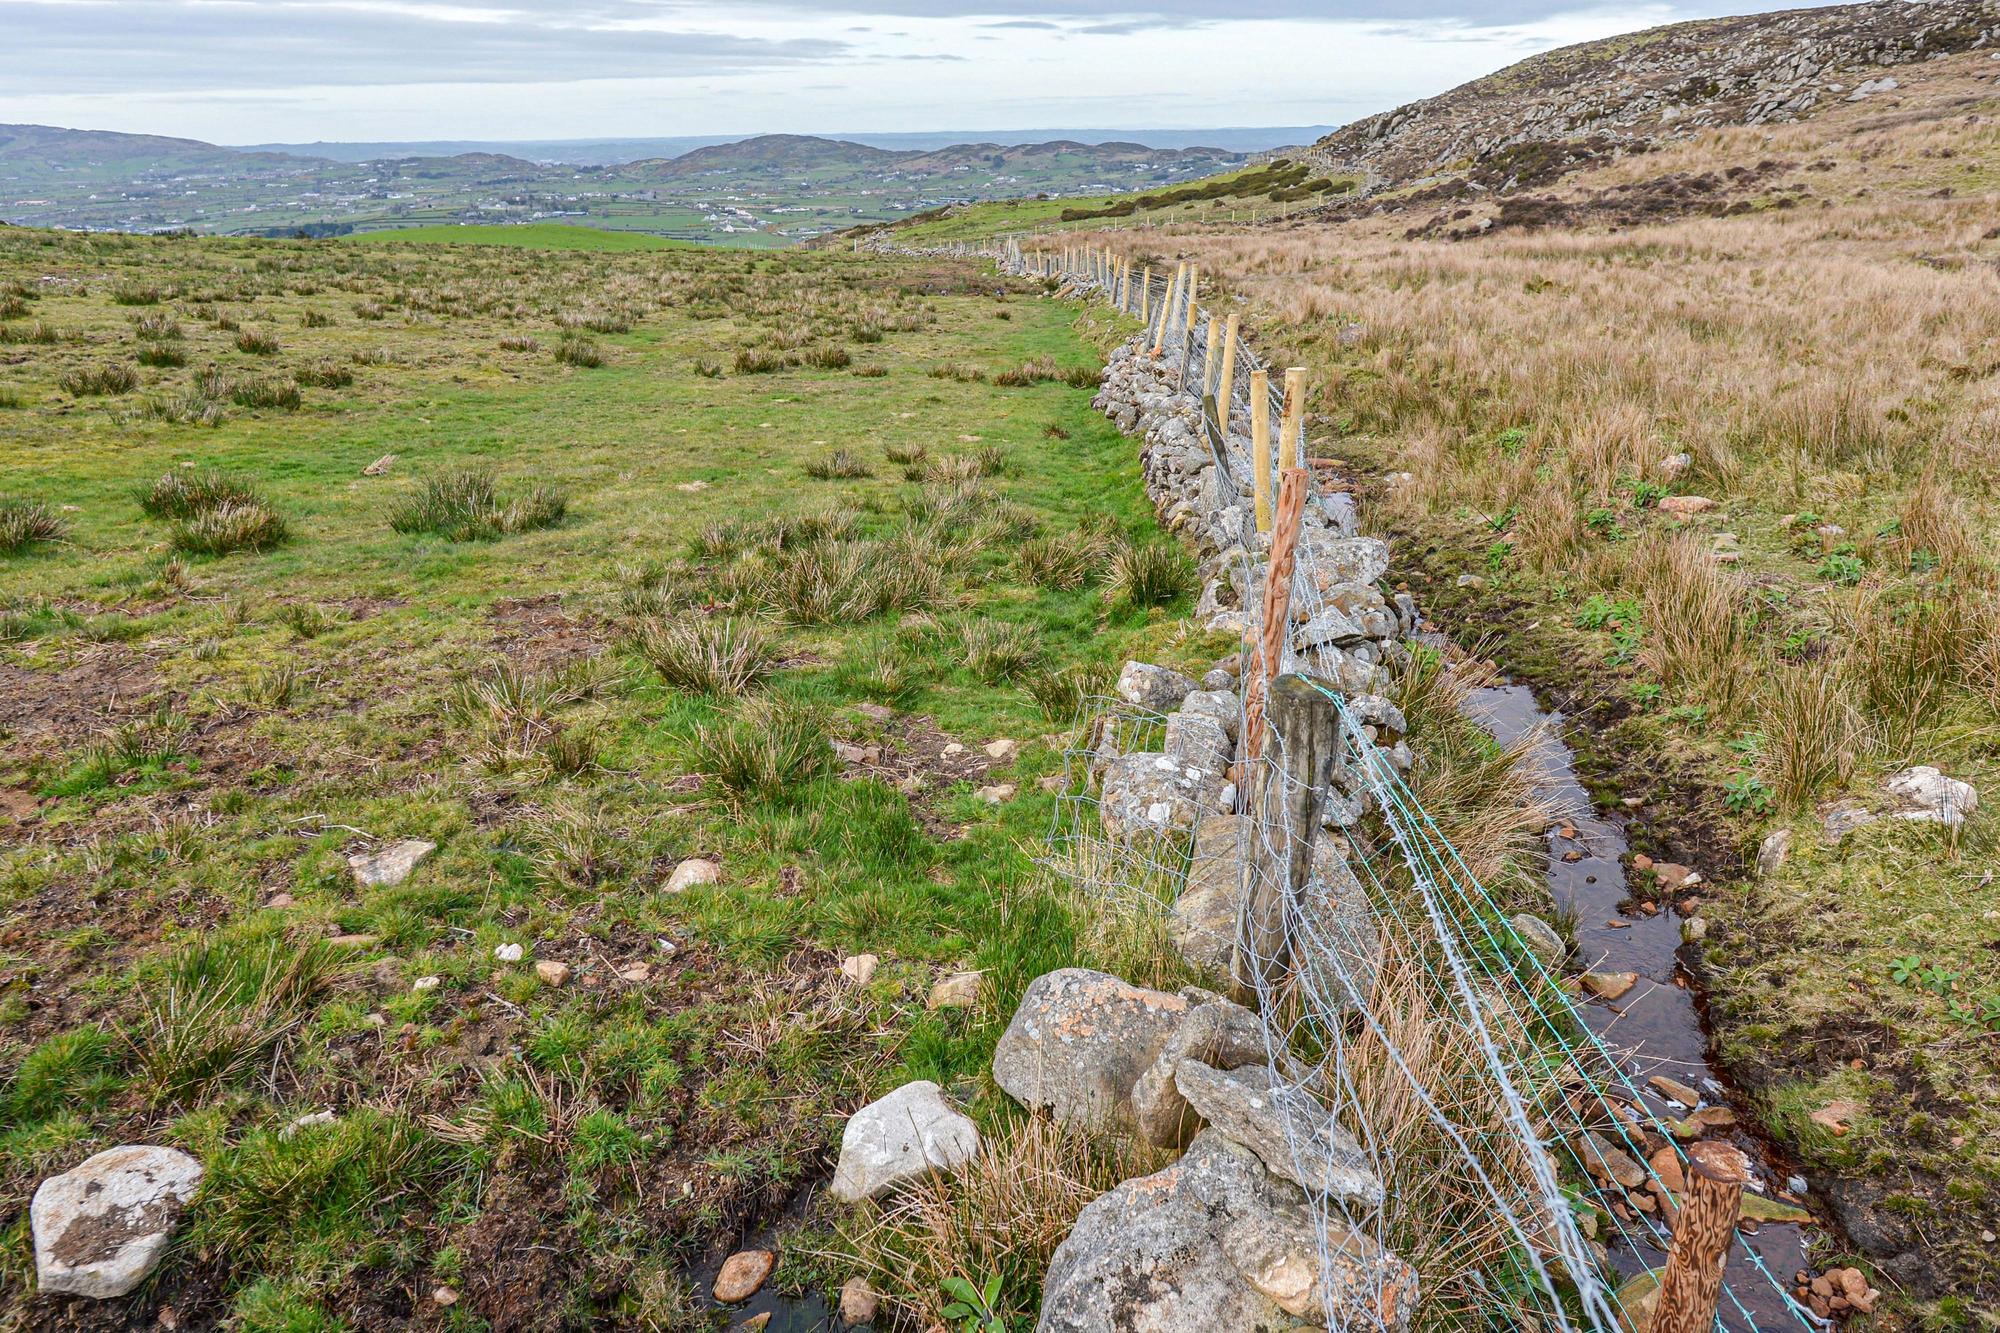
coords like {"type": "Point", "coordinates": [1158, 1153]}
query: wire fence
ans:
{"type": "Point", "coordinates": [1409, 1024]}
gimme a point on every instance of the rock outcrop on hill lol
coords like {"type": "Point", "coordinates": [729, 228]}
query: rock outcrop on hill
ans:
{"type": "Point", "coordinates": [1535, 121]}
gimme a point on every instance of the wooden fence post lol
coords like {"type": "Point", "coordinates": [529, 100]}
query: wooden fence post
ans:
{"type": "Point", "coordinates": [1227, 384]}
{"type": "Point", "coordinates": [1208, 363]}
{"type": "Point", "coordinates": [1691, 1284]}
{"type": "Point", "coordinates": [1185, 339]}
{"type": "Point", "coordinates": [1260, 445]}
{"type": "Point", "coordinates": [1288, 433]}
{"type": "Point", "coordinates": [1146, 295]}
{"type": "Point", "coordinates": [1167, 310]}
{"type": "Point", "coordinates": [1287, 797]}
{"type": "Point", "coordinates": [1277, 610]}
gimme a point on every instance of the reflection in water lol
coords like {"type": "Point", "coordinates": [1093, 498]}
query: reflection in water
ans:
{"type": "Point", "coordinates": [1655, 1028]}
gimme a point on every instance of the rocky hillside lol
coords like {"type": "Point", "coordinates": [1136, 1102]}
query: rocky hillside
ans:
{"type": "Point", "coordinates": [1530, 123]}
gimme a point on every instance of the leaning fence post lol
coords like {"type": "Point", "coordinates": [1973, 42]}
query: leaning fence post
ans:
{"type": "Point", "coordinates": [1288, 434]}
{"type": "Point", "coordinates": [1260, 445]}
{"type": "Point", "coordinates": [1691, 1285]}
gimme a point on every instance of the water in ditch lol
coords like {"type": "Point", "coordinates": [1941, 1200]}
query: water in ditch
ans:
{"type": "Point", "coordinates": [1656, 1027]}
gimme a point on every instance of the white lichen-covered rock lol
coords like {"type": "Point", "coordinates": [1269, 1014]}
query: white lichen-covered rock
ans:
{"type": "Point", "coordinates": [1221, 704]}
{"type": "Point", "coordinates": [1215, 1242]}
{"type": "Point", "coordinates": [1541, 939]}
{"type": "Point", "coordinates": [1149, 793]}
{"type": "Point", "coordinates": [391, 865]}
{"type": "Point", "coordinates": [1331, 561]}
{"type": "Point", "coordinates": [101, 1228]}
{"type": "Point", "coordinates": [1936, 798]}
{"type": "Point", "coordinates": [903, 1137]}
{"type": "Point", "coordinates": [1154, 687]}
{"type": "Point", "coordinates": [1080, 1041]}
{"type": "Point", "coordinates": [1286, 1127]}
{"type": "Point", "coordinates": [1338, 941]}
{"type": "Point", "coordinates": [1195, 740]}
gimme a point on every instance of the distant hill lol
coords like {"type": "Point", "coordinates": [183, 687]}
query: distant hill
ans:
{"type": "Point", "coordinates": [786, 152]}
{"type": "Point", "coordinates": [52, 148]}
{"type": "Point", "coordinates": [1568, 108]}
{"type": "Point", "coordinates": [611, 152]}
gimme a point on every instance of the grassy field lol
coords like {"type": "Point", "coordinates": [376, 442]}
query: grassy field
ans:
{"type": "Point", "coordinates": [529, 236]}
{"type": "Point", "coordinates": [1803, 367]}
{"type": "Point", "coordinates": [571, 563]}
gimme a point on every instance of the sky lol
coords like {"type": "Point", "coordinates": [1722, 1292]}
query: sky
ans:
{"type": "Point", "coordinates": [251, 71]}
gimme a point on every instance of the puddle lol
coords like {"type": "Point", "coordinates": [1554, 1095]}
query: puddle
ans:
{"type": "Point", "coordinates": [806, 1313]}
{"type": "Point", "coordinates": [1655, 1028]}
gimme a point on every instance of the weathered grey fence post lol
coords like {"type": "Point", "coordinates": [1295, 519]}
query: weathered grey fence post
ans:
{"type": "Point", "coordinates": [1287, 798]}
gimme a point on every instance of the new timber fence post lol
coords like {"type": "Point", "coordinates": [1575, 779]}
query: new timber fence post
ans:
{"type": "Point", "coordinates": [1691, 1284]}
{"type": "Point", "coordinates": [1260, 445]}
{"type": "Point", "coordinates": [1288, 433]}
{"type": "Point", "coordinates": [1227, 384]}
{"type": "Point", "coordinates": [1277, 612]}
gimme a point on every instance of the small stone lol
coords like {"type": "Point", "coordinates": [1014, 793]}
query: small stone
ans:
{"type": "Point", "coordinates": [507, 953]}
{"type": "Point", "coordinates": [280, 901]}
{"type": "Point", "coordinates": [425, 985]}
{"type": "Point", "coordinates": [1607, 1161]}
{"type": "Point", "coordinates": [1836, 1117]}
{"type": "Point", "coordinates": [756, 1323]}
{"type": "Point", "coordinates": [1671, 876]}
{"type": "Point", "coordinates": [697, 870]}
{"type": "Point", "coordinates": [552, 972]}
{"type": "Point", "coordinates": [858, 1302]}
{"type": "Point", "coordinates": [1773, 852]}
{"type": "Point", "coordinates": [316, 1118]}
{"type": "Point", "coordinates": [100, 1228]}
{"type": "Point", "coordinates": [445, 1296]}
{"type": "Point", "coordinates": [390, 866]}
{"type": "Point", "coordinates": [1154, 687]}
{"type": "Point", "coordinates": [860, 968]}
{"type": "Point", "coordinates": [959, 991]}
{"type": "Point", "coordinates": [1002, 750]}
{"type": "Point", "coordinates": [743, 1273]}
{"type": "Point", "coordinates": [998, 794]}
{"type": "Point", "coordinates": [1675, 1090]}
{"type": "Point", "coordinates": [1756, 1208]}
{"type": "Point", "coordinates": [952, 750]}
{"type": "Point", "coordinates": [1686, 506]}
{"type": "Point", "coordinates": [1694, 930]}
{"type": "Point", "coordinates": [1609, 985]}
{"type": "Point", "coordinates": [1541, 939]}
{"type": "Point", "coordinates": [636, 973]}
{"type": "Point", "coordinates": [904, 1136]}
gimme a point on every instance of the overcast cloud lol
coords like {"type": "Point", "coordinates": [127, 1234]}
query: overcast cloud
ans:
{"type": "Point", "coordinates": [258, 70]}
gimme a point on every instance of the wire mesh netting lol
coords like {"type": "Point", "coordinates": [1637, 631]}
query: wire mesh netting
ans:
{"type": "Point", "coordinates": [1522, 1178]}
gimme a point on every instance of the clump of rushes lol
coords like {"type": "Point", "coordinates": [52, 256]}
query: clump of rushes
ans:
{"type": "Point", "coordinates": [829, 356]}
{"type": "Point", "coordinates": [162, 356]}
{"type": "Point", "coordinates": [1149, 573]}
{"type": "Point", "coordinates": [723, 655]}
{"type": "Point", "coordinates": [841, 464]}
{"type": "Point", "coordinates": [26, 523]}
{"type": "Point", "coordinates": [577, 350]}
{"type": "Point", "coordinates": [213, 515]}
{"type": "Point", "coordinates": [267, 391]}
{"type": "Point", "coordinates": [1067, 560]}
{"type": "Point", "coordinates": [186, 492]}
{"type": "Point", "coordinates": [1061, 694]}
{"type": "Point", "coordinates": [257, 343]}
{"type": "Point", "coordinates": [764, 748]}
{"type": "Point", "coordinates": [520, 342]}
{"type": "Point", "coordinates": [996, 650]}
{"type": "Point", "coordinates": [134, 294]}
{"type": "Point", "coordinates": [91, 381]}
{"type": "Point", "coordinates": [324, 374]}
{"type": "Point", "coordinates": [464, 505]}
{"type": "Point", "coordinates": [242, 526]}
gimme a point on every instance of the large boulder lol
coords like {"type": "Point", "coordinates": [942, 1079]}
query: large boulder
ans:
{"type": "Point", "coordinates": [1221, 705]}
{"type": "Point", "coordinates": [1081, 1040]}
{"type": "Point", "coordinates": [1204, 917]}
{"type": "Point", "coordinates": [1154, 687]}
{"type": "Point", "coordinates": [1197, 741]}
{"type": "Point", "coordinates": [101, 1228]}
{"type": "Point", "coordinates": [902, 1137]}
{"type": "Point", "coordinates": [1330, 561]}
{"type": "Point", "coordinates": [1216, 1242]}
{"type": "Point", "coordinates": [1286, 1126]}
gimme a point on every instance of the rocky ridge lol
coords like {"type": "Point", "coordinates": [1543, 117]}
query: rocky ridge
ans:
{"type": "Point", "coordinates": [1535, 121]}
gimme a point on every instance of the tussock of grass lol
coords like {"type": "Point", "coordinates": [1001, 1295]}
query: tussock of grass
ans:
{"type": "Point", "coordinates": [841, 464]}
{"type": "Point", "coordinates": [464, 505]}
{"type": "Point", "coordinates": [702, 655]}
{"type": "Point", "coordinates": [280, 391]}
{"type": "Point", "coordinates": [235, 526]}
{"type": "Point", "coordinates": [1150, 573]}
{"type": "Point", "coordinates": [92, 381]}
{"type": "Point", "coordinates": [186, 492]}
{"type": "Point", "coordinates": [26, 523]}
{"type": "Point", "coordinates": [763, 748]}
